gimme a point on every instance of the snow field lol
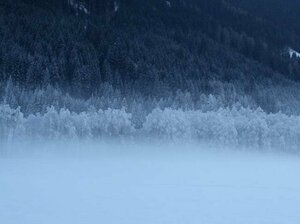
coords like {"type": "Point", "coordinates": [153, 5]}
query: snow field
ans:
{"type": "Point", "coordinates": [149, 184]}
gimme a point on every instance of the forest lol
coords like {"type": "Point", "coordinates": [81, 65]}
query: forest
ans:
{"type": "Point", "coordinates": [138, 57]}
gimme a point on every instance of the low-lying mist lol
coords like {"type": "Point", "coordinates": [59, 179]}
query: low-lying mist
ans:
{"type": "Point", "coordinates": [215, 167]}
{"type": "Point", "coordinates": [96, 182]}
{"type": "Point", "coordinates": [234, 128]}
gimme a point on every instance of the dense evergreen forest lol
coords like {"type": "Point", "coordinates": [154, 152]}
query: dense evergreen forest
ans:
{"type": "Point", "coordinates": [284, 14]}
{"type": "Point", "coordinates": [189, 54]}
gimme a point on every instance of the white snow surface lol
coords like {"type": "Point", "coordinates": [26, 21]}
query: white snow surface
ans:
{"type": "Point", "coordinates": [293, 53]}
{"type": "Point", "coordinates": [138, 184]}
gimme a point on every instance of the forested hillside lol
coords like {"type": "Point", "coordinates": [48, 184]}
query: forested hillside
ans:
{"type": "Point", "coordinates": [144, 54]}
{"type": "Point", "coordinates": [282, 13]}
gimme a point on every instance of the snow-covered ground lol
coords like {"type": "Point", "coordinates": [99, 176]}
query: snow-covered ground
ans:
{"type": "Point", "coordinates": [149, 185]}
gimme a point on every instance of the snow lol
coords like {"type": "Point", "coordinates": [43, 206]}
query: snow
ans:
{"type": "Point", "coordinates": [231, 127]}
{"type": "Point", "coordinates": [149, 184]}
{"type": "Point", "coordinates": [79, 6]}
{"type": "Point", "coordinates": [293, 53]}
{"type": "Point", "coordinates": [169, 4]}
{"type": "Point", "coordinates": [116, 6]}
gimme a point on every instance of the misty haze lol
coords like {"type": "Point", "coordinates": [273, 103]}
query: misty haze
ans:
{"type": "Point", "coordinates": [149, 111]}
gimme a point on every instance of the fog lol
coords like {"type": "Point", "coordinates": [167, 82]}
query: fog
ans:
{"type": "Point", "coordinates": [130, 182]}
{"type": "Point", "coordinates": [231, 165]}
{"type": "Point", "coordinates": [235, 127]}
